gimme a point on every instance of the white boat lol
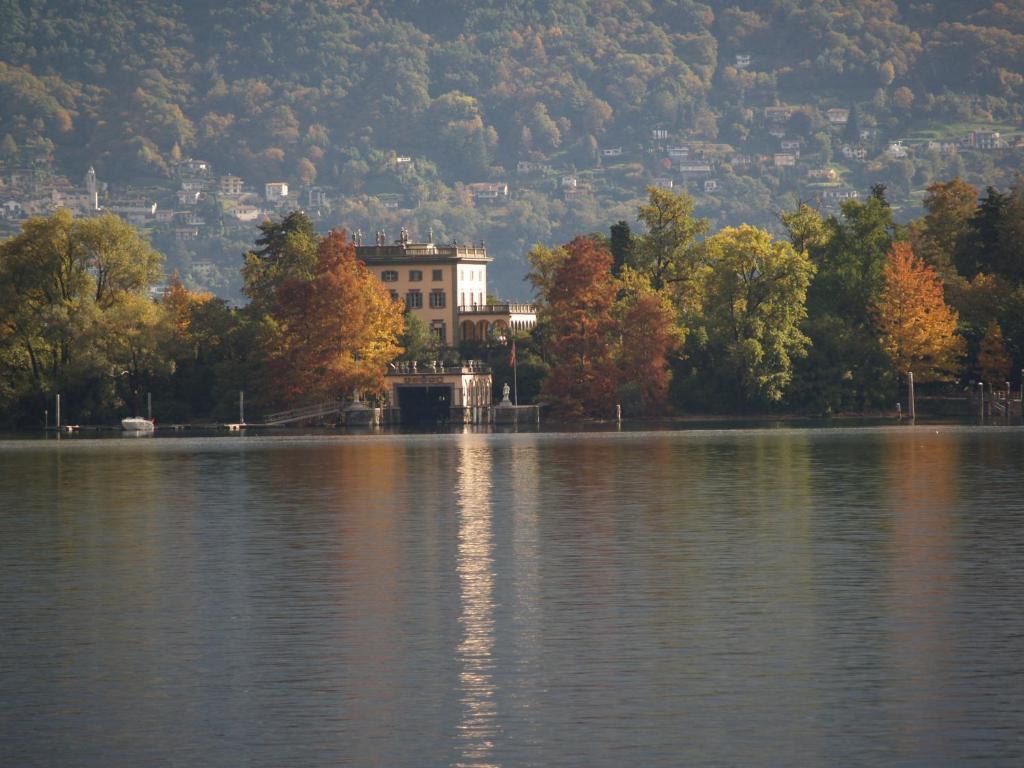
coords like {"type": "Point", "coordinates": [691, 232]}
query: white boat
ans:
{"type": "Point", "coordinates": [137, 424]}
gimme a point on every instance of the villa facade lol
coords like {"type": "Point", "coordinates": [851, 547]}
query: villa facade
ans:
{"type": "Point", "coordinates": [445, 286]}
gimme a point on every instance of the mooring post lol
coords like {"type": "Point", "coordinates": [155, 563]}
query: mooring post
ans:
{"type": "Point", "coordinates": [241, 407]}
{"type": "Point", "coordinates": [899, 411]}
{"type": "Point", "coordinates": [58, 414]}
{"type": "Point", "coordinates": [910, 395]}
{"type": "Point", "coordinates": [1007, 403]}
{"type": "Point", "coordinates": [618, 413]}
{"type": "Point", "coordinates": [149, 406]}
{"type": "Point", "coordinates": [981, 401]}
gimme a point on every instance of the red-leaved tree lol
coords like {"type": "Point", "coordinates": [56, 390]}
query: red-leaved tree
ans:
{"type": "Point", "coordinates": [577, 297]}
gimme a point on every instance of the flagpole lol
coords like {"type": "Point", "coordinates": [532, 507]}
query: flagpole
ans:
{"type": "Point", "coordinates": [515, 373]}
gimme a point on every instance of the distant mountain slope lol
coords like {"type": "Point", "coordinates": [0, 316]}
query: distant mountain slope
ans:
{"type": "Point", "coordinates": [307, 90]}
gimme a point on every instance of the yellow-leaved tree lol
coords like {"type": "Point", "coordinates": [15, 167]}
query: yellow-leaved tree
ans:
{"type": "Point", "coordinates": [916, 328]}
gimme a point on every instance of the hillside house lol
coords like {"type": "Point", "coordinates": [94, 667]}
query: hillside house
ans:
{"type": "Point", "coordinates": [524, 167]}
{"type": "Point", "coordinates": [275, 191]}
{"type": "Point", "coordinates": [896, 150]}
{"type": "Point", "coordinates": [246, 213]}
{"type": "Point", "coordinates": [316, 197]}
{"type": "Point", "coordinates": [710, 185]}
{"type": "Point", "coordinates": [659, 134]}
{"type": "Point", "coordinates": [612, 152]}
{"type": "Point", "coordinates": [390, 200]}
{"type": "Point", "coordinates": [573, 194]}
{"type": "Point", "coordinates": [742, 60]}
{"type": "Point", "coordinates": [777, 115]}
{"type": "Point", "coordinates": [983, 140]}
{"type": "Point", "coordinates": [134, 211]}
{"type": "Point", "coordinates": [694, 169]}
{"type": "Point", "coordinates": [943, 147]}
{"type": "Point", "coordinates": [839, 194]}
{"type": "Point", "coordinates": [488, 192]}
{"type": "Point", "coordinates": [230, 186]}
{"type": "Point", "coordinates": [838, 117]}
{"type": "Point", "coordinates": [203, 268]}
{"type": "Point", "coordinates": [854, 152]}
{"type": "Point", "coordinates": [191, 168]}
{"type": "Point", "coordinates": [784, 160]}
{"type": "Point", "coordinates": [194, 185]}
{"type": "Point", "coordinates": [822, 174]}
{"type": "Point", "coordinates": [188, 198]}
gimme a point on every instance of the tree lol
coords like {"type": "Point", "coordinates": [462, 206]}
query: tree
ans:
{"type": "Point", "coordinates": [950, 206]}
{"type": "Point", "coordinates": [287, 251]}
{"type": "Point", "coordinates": [844, 368]}
{"type": "Point", "coordinates": [416, 341]}
{"type": "Point", "coordinates": [621, 245]}
{"type": "Point", "coordinates": [577, 293]}
{"type": "Point", "coordinates": [756, 302]}
{"type": "Point", "coordinates": [119, 259]}
{"type": "Point", "coordinates": [64, 286]}
{"type": "Point", "coordinates": [647, 327]}
{"type": "Point", "coordinates": [916, 328]}
{"type": "Point", "coordinates": [338, 329]}
{"type": "Point", "coordinates": [665, 253]}
{"type": "Point", "coordinates": [134, 336]}
{"type": "Point", "coordinates": [806, 229]}
{"type": "Point", "coordinates": [851, 260]}
{"type": "Point", "coordinates": [993, 361]}
{"type": "Point", "coordinates": [980, 250]}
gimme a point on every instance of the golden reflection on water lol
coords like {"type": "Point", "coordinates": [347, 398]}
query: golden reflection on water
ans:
{"type": "Point", "coordinates": [924, 487]}
{"type": "Point", "coordinates": [475, 566]}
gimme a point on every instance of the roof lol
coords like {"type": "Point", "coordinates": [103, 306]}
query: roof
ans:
{"type": "Point", "coordinates": [421, 253]}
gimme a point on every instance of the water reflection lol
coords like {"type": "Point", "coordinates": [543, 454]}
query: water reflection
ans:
{"type": "Point", "coordinates": [475, 565]}
{"type": "Point", "coordinates": [924, 493]}
{"type": "Point", "coordinates": [743, 598]}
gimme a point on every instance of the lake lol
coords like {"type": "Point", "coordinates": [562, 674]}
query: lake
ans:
{"type": "Point", "coordinates": [748, 597]}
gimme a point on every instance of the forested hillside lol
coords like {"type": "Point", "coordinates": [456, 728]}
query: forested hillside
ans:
{"type": "Point", "coordinates": [392, 109]}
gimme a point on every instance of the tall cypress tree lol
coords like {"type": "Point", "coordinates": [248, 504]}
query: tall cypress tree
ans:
{"type": "Point", "coordinates": [621, 246]}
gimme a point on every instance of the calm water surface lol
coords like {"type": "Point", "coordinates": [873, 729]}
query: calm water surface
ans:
{"type": "Point", "coordinates": [734, 598]}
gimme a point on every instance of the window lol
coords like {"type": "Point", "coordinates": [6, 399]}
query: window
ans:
{"type": "Point", "coordinates": [415, 275]}
{"type": "Point", "coordinates": [389, 276]}
{"type": "Point", "coordinates": [414, 300]}
{"type": "Point", "coordinates": [437, 299]}
{"type": "Point", "coordinates": [438, 275]}
{"type": "Point", "coordinates": [394, 295]}
{"type": "Point", "coordinates": [437, 328]}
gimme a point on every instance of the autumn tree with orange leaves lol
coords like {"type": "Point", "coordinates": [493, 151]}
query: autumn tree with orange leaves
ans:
{"type": "Point", "coordinates": [577, 291]}
{"type": "Point", "coordinates": [916, 328]}
{"type": "Point", "coordinates": [648, 334]}
{"type": "Point", "coordinates": [338, 330]}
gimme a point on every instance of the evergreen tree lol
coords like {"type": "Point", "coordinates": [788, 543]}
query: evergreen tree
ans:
{"type": "Point", "coordinates": [621, 246]}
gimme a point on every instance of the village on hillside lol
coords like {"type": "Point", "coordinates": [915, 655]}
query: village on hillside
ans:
{"type": "Point", "coordinates": [202, 214]}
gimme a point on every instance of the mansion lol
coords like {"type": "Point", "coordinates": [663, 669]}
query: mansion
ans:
{"type": "Point", "coordinates": [445, 286]}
